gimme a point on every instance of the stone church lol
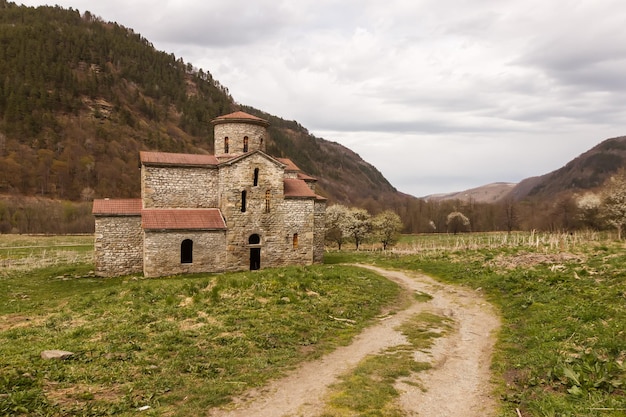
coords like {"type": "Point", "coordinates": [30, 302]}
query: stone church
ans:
{"type": "Point", "coordinates": [235, 210]}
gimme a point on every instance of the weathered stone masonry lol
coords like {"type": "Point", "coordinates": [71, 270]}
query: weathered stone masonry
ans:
{"type": "Point", "coordinates": [238, 209]}
{"type": "Point", "coordinates": [168, 186]}
{"type": "Point", "coordinates": [118, 237]}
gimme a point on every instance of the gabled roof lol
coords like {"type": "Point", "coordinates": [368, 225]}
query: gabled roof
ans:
{"type": "Point", "coordinates": [182, 219]}
{"type": "Point", "coordinates": [165, 158]}
{"type": "Point", "coordinates": [117, 207]}
{"type": "Point", "coordinates": [305, 177]}
{"type": "Point", "coordinates": [290, 166]}
{"type": "Point", "coordinates": [294, 188]}
{"type": "Point", "coordinates": [237, 158]}
{"type": "Point", "coordinates": [240, 117]}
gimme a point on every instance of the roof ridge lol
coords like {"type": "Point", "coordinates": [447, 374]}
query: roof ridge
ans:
{"type": "Point", "coordinates": [240, 116]}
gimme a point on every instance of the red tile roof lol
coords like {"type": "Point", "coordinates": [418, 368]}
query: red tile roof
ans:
{"type": "Point", "coordinates": [180, 219]}
{"type": "Point", "coordinates": [165, 158]}
{"type": "Point", "coordinates": [305, 177]}
{"type": "Point", "coordinates": [297, 188]}
{"type": "Point", "coordinates": [118, 207]}
{"type": "Point", "coordinates": [239, 116]}
{"type": "Point", "coordinates": [290, 165]}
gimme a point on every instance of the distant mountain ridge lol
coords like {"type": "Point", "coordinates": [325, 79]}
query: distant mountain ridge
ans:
{"type": "Point", "coordinates": [585, 172]}
{"type": "Point", "coordinates": [490, 193]}
{"type": "Point", "coordinates": [588, 171]}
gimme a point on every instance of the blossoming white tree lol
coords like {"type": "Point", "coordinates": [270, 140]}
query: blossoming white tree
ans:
{"type": "Point", "coordinates": [337, 224]}
{"type": "Point", "coordinates": [457, 222]}
{"type": "Point", "coordinates": [613, 207]}
{"type": "Point", "coordinates": [588, 206]}
{"type": "Point", "coordinates": [387, 228]}
{"type": "Point", "coordinates": [359, 225]}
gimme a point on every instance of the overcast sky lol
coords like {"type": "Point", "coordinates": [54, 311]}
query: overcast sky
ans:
{"type": "Point", "coordinates": [439, 95]}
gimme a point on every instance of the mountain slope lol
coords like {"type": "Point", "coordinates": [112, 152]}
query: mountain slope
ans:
{"type": "Point", "coordinates": [490, 193]}
{"type": "Point", "coordinates": [80, 97]}
{"type": "Point", "coordinates": [589, 170]}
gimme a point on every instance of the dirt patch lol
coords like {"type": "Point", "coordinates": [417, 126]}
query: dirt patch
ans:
{"type": "Point", "coordinates": [528, 260]}
{"type": "Point", "coordinates": [458, 383]}
{"type": "Point", "coordinates": [61, 395]}
{"type": "Point", "coordinates": [10, 322]}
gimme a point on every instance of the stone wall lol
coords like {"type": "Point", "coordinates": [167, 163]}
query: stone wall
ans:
{"type": "Point", "coordinates": [320, 229]}
{"type": "Point", "coordinates": [179, 187]}
{"type": "Point", "coordinates": [118, 245]}
{"type": "Point", "coordinates": [240, 176]}
{"type": "Point", "coordinates": [299, 219]}
{"type": "Point", "coordinates": [162, 252]}
{"type": "Point", "coordinates": [256, 219]}
{"type": "Point", "coordinates": [235, 132]}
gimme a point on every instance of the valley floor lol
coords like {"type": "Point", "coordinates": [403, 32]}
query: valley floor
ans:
{"type": "Point", "coordinates": [458, 382]}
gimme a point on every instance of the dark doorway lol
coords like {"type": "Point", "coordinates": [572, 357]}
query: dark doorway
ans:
{"type": "Point", "coordinates": [186, 251]}
{"type": "Point", "coordinates": [255, 253]}
{"type": "Point", "coordinates": [255, 259]}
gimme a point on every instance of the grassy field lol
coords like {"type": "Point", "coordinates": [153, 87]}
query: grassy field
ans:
{"type": "Point", "coordinates": [183, 344]}
{"type": "Point", "coordinates": [562, 348]}
{"type": "Point", "coordinates": [23, 252]}
{"type": "Point", "coordinates": [179, 345]}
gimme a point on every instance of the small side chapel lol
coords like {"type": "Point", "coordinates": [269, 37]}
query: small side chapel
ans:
{"type": "Point", "coordinates": [235, 210]}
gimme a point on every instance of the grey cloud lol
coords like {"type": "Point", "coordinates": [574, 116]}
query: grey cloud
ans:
{"type": "Point", "coordinates": [224, 24]}
{"type": "Point", "coordinates": [588, 51]}
{"type": "Point", "coordinates": [409, 126]}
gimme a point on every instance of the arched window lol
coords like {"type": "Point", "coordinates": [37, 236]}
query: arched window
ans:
{"type": "Point", "coordinates": [226, 144]}
{"type": "Point", "coordinates": [186, 251]}
{"type": "Point", "coordinates": [268, 195]}
{"type": "Point", "coordinates": [254, 239]}
{"type": "Point", "coordinates": [295, 241]}
{"type": "Point", "coordinates": [243, 201]}
{"type": "Point", "coordinates": [245, 144]}
{"type": "Point", "coordinates": [256, 176]}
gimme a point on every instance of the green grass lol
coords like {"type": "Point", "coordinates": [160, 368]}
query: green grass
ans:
{"type": "Point", "coordinates": [177, 344]}
{"type": "Point", "coordinates": [369, 389]}
{"type": "Point", "coordinates": [184, 344]}
{"type": "Point", "coordinates": [562, 347]}
{"type": "Point", "coordinates": [26, 252]}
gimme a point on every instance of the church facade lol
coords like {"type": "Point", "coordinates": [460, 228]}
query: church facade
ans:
{"type": "Point", "coordinates": [235, 210]}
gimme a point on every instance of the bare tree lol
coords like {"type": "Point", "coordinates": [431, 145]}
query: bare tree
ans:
{"type": "Point", "coordinates": [510, 214]}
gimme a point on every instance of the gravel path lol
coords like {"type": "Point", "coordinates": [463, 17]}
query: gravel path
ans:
{"type": "Point", "coordinates": [457, 385]}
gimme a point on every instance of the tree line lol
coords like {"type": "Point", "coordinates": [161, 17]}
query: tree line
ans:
{"type": "Point", "coordinates": [602, 209]}
{"type": "Point", "coordinates": [31, 215]}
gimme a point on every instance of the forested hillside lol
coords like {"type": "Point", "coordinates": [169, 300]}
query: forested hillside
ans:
{"type": "Point", "coordinates": [588, 171]}
{"type": "Point", "coordinates": [80, 97]}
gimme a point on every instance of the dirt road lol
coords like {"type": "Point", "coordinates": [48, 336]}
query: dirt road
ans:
{"type": "Point", "coordinates": [457, 385]}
